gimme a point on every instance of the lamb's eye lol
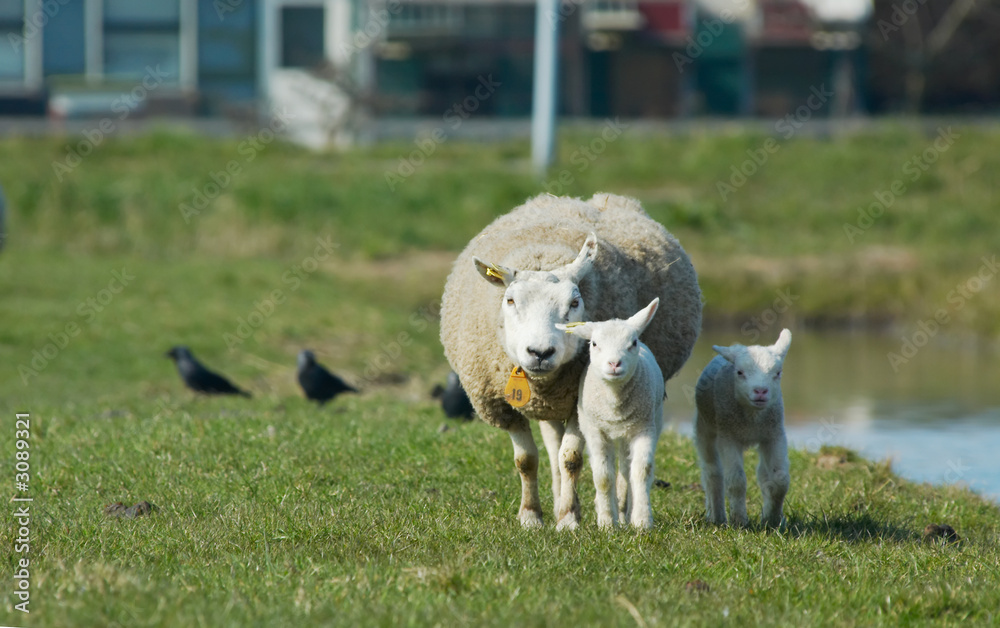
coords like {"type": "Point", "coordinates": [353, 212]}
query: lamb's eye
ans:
{"type": "Point", "coordinates": [741, 373]}
{"type": "Point", "coordinates": [777, 375]}
{"type": "Point", "coordinates": [593, 344]}
{"type": "Point", "coordinates": [575, 303]}
{"type": "Point", "coordinates": [635, 343]}
{"type": "Point", "coordinates": [510, 301]}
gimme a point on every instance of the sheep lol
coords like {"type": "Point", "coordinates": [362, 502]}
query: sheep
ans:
{"type": "Point", "coordinates": [621, 406]}
{"type": "Point", "coordinates": [498, 321]}
{"type": "Point", "coordinates": [738, 404]}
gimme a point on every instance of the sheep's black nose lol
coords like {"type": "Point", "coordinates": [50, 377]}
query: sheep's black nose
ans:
{"type": "Point", "coordinates": [542, 354]}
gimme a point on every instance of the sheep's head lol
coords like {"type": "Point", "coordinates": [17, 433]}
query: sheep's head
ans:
{"type": "Point", "coordinates": [533, 303]}
{"type": "Point", "coordinates": [614, 344]}
{"type": "Point", "coordinates": [757, 370]}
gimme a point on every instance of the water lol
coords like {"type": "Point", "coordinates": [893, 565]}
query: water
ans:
{"type": "Point", "coordinates": [937, 416]}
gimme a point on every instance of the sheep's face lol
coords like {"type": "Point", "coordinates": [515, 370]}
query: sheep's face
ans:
{"type": "Point", "coordinates": [614, 344]}
{"type": "Point", "coordinates": [533, 303]}
{"type": "Point", "coordinates": [757, 370]}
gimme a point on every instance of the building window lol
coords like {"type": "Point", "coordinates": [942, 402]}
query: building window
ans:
{"type": "Point", "coordinates": [12, 41]}
{"type": "Point", "coordinates": [141, 34]}
{"type": "Point", "coordinates": [301, 37]}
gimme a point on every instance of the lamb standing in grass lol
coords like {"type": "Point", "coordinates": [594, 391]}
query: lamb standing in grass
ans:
{"type": "Point", "coordinates": [558, 260]}
{"type": "Point", "coordinates": [621, 407]}
{"type": "Point", "coordinates": [738, 399]}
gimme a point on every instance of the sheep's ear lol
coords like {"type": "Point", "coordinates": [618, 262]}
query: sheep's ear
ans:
{"type": "Point", "coordinates": [641, 319]}
{"type": "Point", "coordinates": [495, 273]}
{"type": "Point", "coordinates": [583, 330]}
{"type": "Point", "coordinates": [727, 352]}
{"type": "Point", "coordinates": [578, 268]}
{"type": "Point", "coordinates": [780, 348]}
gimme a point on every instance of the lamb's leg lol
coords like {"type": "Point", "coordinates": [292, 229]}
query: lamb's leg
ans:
{"type": "Point", "coordinates": [570, 464]}
{"type": "Point", "coordinates": [735, 480]}
{"type": "Point", "coordinates": [602, 462]}
{"type": "Point", "coordinates": [526, 461]}
{"type": "Point", "coordinates": [774, 479]}
{"type": "Point", "coordinates": [624, 464]}
{"type": "Point", "coordinates": [711, 474]}
{"type": "Point", "coordinates": [640, 482]}
{"type": "Point", "coordinates": [552, 434]}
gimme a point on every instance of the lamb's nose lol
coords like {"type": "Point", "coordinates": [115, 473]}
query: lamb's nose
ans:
{"type": "Point", "coordinates": [542, 354]}
{"type": "Point", "coordinates": [615, 365]}
{"type": "Point", "coordinates": [760, 391]}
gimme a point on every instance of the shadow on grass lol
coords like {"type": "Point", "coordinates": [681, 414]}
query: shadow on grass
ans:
{"type": "Point", "coordinates": [856, 527]}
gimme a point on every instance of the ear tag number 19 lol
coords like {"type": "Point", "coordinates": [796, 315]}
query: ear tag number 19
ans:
{"type": "Point", "coordinates": [517, 393]}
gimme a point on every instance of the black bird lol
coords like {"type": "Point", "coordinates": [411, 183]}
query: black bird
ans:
{"type": "Point", "coordinates": [319, 384]}
{"type": "Point", "coordinates": [200, 379]}
{"type": "Point", "coordinates": [455, 402]}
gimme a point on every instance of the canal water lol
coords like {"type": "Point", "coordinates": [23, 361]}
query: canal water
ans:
{"type": "Point", "coordinates": [936, 416]}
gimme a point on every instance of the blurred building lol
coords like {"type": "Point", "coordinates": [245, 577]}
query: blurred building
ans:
{"type": "Point", "coordinates": [634, 58]}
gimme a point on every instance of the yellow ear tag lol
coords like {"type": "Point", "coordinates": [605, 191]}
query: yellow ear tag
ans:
{"type": "Point", "coordinates": [493, 271]}
{"type": "Point", "coordinates": [517, 393]}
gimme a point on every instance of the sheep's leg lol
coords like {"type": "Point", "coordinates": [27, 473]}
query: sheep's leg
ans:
{"type": "Point", "coordinates": [735, 480]}
{"type": "Point", "coordinates": [602, 462]}
{"type": "Point", "coordinates": [570, 464]}
{"type": "Point", "coordinates": [526, 461]}
{"type": "Point", "coordinates": [711, 475]}
{"type": "Point", "coordinates": [624, 464]}
{"type": "Point", "coordinates": [642, 450]}
{"type": "Point", "coordinates": [774, 479]}
{"type": "Point", "coordinates": [552, 434]}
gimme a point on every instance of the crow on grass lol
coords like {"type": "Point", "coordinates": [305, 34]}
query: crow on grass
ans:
{"type": "Point", "coordinates": [319, 384]}
{"type": "Point", "coordinates": [200, 379]}
{"type": "Point", "coordinates": [455, 402]}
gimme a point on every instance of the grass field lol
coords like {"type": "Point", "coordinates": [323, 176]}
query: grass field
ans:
{"type": "Point", "coordinates": [274, 512]}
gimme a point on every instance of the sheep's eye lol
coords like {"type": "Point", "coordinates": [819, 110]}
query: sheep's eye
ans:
{"type": "Point", "coordinates": [635, 343]}
{"type": "Point", "coordinates": [593, 344]}
{"type": "Point", "coordinates": [575, 303]}
{"type": "Point", "coordinates": [777, 375]}
{"type": "Point", "coordinates": [741, 373]}
{"type": "Point", "coordinates": [510, 301]}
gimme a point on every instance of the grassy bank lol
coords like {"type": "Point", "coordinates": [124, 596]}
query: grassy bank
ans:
{"type": "Point", "coordinates": [889, 225]}
{"type": "Point", "coordinates": [274, 512]}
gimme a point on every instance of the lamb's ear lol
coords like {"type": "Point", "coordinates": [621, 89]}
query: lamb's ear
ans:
{"type": "Point", "coordinates": [780, 348]}
{"type": "Point", "coordinates": [495, 273]}
{"type": "Point", "coordinates": [578, 268]}
{"type": "Point", "coordinates": [641, 319]}
{"type": "Point", "coordinates": [729, 353]}
{"type": "Point", "coordinates": [583, 330]}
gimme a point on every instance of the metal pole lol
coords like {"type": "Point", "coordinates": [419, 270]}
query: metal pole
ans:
{"type": "Point", "coordinates": [543, 100]}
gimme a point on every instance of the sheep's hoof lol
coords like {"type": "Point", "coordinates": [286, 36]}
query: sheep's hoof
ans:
{"type": "Point", "coordinates": [530, 519]}
{"type": "Point", "coordinates": [644, 525]}
{"type": "Point", "coordinates": [569, 522]}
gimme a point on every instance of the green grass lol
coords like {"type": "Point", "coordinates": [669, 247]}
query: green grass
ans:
{"type": "Point", "coordinates": [783, 229]}
{"type": "Point", "coordinates": [274, 512]}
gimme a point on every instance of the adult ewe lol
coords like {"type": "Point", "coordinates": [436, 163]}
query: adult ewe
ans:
{"type": "Point", "coordinates": [739, 405]}
{"type": "Point", "coordinates": [559, 260]}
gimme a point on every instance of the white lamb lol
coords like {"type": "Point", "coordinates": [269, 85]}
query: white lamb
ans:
{"type": "Point", "coordinates": [738, 400]}
{"type": "Point", "coordinates": [621, 407]}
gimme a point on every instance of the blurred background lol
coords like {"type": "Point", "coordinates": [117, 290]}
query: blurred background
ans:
{"type": "Point", "coordinates": [334, 61]}
{"type": "Point", "coordinates": [281, 174]}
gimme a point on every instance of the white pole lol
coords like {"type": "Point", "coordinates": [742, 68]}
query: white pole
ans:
{"type": "Point", "coordinates": [543, 100]}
